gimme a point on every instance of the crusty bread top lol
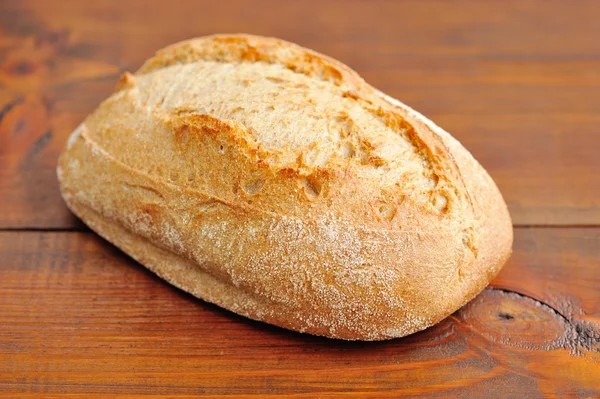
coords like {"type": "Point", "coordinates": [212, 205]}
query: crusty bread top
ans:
{"type": "Point", "coordinates": [291, 113]}
{"type": "Point", "coordinates": [367, 205]}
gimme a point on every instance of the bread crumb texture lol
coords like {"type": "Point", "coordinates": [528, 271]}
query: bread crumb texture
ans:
{"type": "Point", "coordinates": [273, 181]}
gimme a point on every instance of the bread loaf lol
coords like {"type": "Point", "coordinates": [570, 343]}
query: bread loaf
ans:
{"type": "Point", "coordinates": [274, 182]}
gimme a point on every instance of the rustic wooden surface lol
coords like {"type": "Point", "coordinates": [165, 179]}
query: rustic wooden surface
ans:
{"type": "Point", "coordinates": [518, 82]}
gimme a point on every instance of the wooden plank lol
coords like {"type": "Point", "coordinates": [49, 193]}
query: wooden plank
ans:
{"type": "Point", "coordinates": [562, 265]}
{"type": "Point", "coordinates": [515, 81]}
{"type": "Point", "coordinates": [80, 318]}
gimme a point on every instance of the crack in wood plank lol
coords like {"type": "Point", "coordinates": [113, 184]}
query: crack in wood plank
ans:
{"type": "Point", "coordinates": [577, 335]}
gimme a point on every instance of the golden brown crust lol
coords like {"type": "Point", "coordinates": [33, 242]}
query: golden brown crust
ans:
{"type": "Point", "coordinates": [376, 231]}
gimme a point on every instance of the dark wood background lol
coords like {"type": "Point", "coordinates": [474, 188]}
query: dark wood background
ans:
{"type": "Point", "coordinates": [517, 82]}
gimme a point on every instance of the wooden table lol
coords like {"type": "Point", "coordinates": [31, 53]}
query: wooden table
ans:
{"type": "Point", "coordinates": [518, 82]}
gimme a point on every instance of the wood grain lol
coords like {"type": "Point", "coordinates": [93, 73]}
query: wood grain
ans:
{"type": "Point", "coordinates": [515, 81]}
{"type": "Point", "coordinates": [79, 317]}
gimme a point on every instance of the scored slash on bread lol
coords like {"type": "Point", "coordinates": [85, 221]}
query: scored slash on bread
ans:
{"type": "Point", "coordinates": [274, 182]}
